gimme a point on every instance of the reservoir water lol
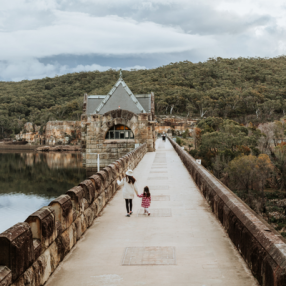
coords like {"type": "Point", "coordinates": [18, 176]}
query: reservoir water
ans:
{"type": "Point", "coordinates": [30, 180]}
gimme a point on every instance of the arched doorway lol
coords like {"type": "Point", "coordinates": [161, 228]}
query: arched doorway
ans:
{"type": "Point", "coordinates": [119, 132]}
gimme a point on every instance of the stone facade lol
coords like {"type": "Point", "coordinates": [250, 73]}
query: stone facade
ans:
{"type": "Point", "coordinates": [96, 127]}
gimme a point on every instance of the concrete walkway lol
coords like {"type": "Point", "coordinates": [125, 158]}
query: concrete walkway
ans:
{"type": "Point", "coordinates": [181, 243]}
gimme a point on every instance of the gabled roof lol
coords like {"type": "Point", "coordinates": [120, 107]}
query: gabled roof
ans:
{"type": "Point", "coordinates": [120, 95]}
{"type": "Point", "coordinates": [93, 101]}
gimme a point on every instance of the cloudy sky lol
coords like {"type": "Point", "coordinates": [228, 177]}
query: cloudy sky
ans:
{"type": "Point", "coordinates": [40, 38]}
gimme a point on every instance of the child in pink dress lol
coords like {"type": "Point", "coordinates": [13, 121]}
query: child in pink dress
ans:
{"type": "Point", "coordinates": [146, 200]}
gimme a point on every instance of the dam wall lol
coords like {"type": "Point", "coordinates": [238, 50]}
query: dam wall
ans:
{"type": "Point", "coordinates": [31, 251]}
{"type": "Point", "coordinates": [260, 245]}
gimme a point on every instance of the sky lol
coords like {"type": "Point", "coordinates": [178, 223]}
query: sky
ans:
{"type": "Point", "coordinates": [45, 38]}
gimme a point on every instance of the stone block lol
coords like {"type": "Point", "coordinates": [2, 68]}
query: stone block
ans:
{"type": "Point", "coordinates": [111, 174]}
{"type": "Point", "coordinates": [94, 208]}
{"type": "Point", "coordinates": [113, 156]}
{"type": "Point", "coordinates": [126, 161]}
{"type": "Point", "coordinates": [77, 195]}
{"type": "Point", "coordinates": [5, 276]}
{"type": "Point", "coordinates": [16, 248]}
{"type": "Point", "coordinates": [89, 217]}
{"type": "Point", "coordinates": [43, 226]}
{"type": "Point", "coordinates": [92, 161]}
{"type": "Point", "coordinates": [78, 226]}
{"type": "Point", "coordinates": [102, 200]}
{"type": "Point", "coordinates": [114, 187]}
{"type": "Point", "coordinates": [121, 166]}
{"type": "Point", "coordinates": [63, 211]}
{"type": "Point", "coordinates": [37, 247]}
{"type": "Point", "coordinates": [91, 156]}
{"type": "Point", "coordinates": [104, 156]}
{"type": "Point", "coordinates": [104, 178]}
{"type": "Point", "coordinates": [114, 171]}
{"type": "Point", "coordinates": [89, 190]}
{"type": "Point", "coordinates": [99, 185]}
{"type": "Point", "coordinates": [106, 194]}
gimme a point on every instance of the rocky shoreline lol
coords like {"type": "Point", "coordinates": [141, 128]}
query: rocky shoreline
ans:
{"type": "Point", "coordinates": [58, 148]}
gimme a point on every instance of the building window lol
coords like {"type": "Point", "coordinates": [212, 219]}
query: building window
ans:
{"type": "Point", "coordinates": [119, 132]}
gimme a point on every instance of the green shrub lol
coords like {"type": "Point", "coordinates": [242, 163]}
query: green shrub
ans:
{"type": "Point", "coordinates": [280, 226]}
{"type": "Point", "coordinates": [185, 134]}
{"type": "Point", "coordinates": [272, 195]}
{"type": "Point", "coordinates": [179, 141]}
{"type": "Point", "coordinates": [193, 152]}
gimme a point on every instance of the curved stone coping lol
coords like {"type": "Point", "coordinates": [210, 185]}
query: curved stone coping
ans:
{"type": "Point", "coordinates": [260, 245]}
{"type": "Point", "coordinates": [30, 251]}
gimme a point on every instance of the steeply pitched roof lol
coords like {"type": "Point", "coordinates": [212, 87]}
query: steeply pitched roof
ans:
{"type": "Point", "coordinates": [120, 95]}
{"type": "Point", "coordinates": [145, 101]}
{"type": "Point", "coordinates": [93, 102]}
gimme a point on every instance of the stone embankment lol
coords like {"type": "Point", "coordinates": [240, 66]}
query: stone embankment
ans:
{"type": "Point", "coordinates": [31, 251]}
{"type": "Point", "coordinates": [54, 132]}
{"type": "Point", "coordinates": [262, 248]}
{"type": "Point", "coordinates": [59, 148]}
{"type": "Point", "coordinates": [173, 124]}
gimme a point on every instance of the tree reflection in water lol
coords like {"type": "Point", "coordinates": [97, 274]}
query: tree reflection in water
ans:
{"type": "Point", "coordinates": [29, 181]}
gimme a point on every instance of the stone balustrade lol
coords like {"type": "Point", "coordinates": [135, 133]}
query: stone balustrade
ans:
{"type": "Point", "coordinates": [260, 245]}
{"type": "Point", "coordinates": [30, 251]}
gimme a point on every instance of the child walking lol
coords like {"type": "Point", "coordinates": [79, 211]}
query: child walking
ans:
{"type": "Point", "coordinates": [146, 200]}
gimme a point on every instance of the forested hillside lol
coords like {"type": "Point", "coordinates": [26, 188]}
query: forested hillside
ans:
{"type": "Point", "coordinates": [243, 89]}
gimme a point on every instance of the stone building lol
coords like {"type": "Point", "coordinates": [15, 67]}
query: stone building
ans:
{"type": "Point", "coordinates": [116, 123]}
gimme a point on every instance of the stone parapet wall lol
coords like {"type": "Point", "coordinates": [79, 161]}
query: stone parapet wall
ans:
{"type": "Point", "coordinates": [31, 251]}
{"type": "Point", "coordinates": [262, 248]}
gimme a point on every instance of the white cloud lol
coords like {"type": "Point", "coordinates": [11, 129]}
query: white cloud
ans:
{"type": "Point", "coordinates": [33, 69]}
{"type": "Point", "coordinates": [79, 33]}
{"type": "Point", "coordinates": [34, 29]}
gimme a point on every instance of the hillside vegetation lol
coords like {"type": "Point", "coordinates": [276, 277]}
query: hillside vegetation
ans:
{"type": "Point", "coordinates": [242, 89]}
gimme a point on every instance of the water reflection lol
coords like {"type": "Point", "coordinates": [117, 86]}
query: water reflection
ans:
{"type": "Point", "coordinates": [30, 180]}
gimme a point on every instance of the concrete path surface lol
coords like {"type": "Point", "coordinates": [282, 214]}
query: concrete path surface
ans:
{"type": "Point", "coordinates": [181, 243]}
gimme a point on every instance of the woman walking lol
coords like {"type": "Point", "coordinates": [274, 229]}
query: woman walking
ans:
{"type": "Point", "coordinates": [146, 200]}
{"type": "Point", "coordinates": [129, 187]}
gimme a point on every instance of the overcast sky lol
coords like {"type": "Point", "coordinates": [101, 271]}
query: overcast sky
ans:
{"type": "Point", "coordinates": [40, 38]}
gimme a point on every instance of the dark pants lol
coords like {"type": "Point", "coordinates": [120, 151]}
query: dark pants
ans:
{"type": "Point", "coordinates": [128, 203]}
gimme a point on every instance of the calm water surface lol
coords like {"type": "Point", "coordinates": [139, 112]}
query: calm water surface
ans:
{"type": "Point", "coordinates": [29, 181]}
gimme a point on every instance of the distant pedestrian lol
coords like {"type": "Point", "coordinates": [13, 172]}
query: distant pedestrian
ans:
{"type": "Point", "coordinates": [146, 200]}
{"type": "Point", "coordinates": [129, 187]}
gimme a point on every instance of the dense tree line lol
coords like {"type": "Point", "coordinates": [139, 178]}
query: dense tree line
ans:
{"type": "Point", "coordinates": [248, 159]}
{"type": "Point", "coordinates": [242, 89]}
